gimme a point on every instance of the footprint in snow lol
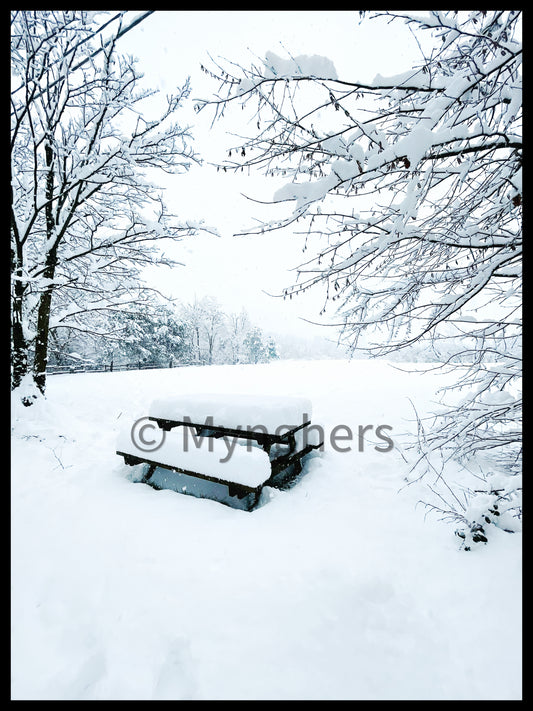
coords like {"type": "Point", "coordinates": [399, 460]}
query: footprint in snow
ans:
{"type": "Point", "coordinates": [174, 680]}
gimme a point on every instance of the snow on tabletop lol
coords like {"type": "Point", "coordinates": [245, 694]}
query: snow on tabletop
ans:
{"type": "Point", "coordinates": [219, 458]}
{"type": "Point", "coordinates": [273, 412]}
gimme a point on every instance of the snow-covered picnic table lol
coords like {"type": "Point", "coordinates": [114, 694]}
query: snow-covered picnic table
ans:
{"type": "Point", "coordinates": [238, 442]}
{"type": "Point", "coordinates": [267, 419]}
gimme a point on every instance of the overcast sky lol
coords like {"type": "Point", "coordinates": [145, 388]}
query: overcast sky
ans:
{"type": "Point", "coordinates": [170, 46]}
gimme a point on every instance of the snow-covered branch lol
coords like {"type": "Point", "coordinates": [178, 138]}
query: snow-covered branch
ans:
{"type": "Point", "coordinates": [409, 190]}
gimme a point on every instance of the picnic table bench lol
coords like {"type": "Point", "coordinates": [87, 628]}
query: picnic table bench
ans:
{"type": "Point", "coordinates": [252, 442]}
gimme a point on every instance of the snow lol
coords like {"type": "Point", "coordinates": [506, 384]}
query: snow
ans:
{"type": "Point", "coordinates": [308, 192]}
{"type": "Point", "coordinates": [217, 458]}
{"type": "Point", "coordinates": [236, 411]}
{"type": "Point", "coordinates": [303, 65]}
{"type": "Point", "coordinates": [410, 78]}
{"type": "Point", "coordinates": [339, 588]}
{"type": "Point", "coordinates": [499, 397]}
{"type": "Point", "coordinates": [416, 144]}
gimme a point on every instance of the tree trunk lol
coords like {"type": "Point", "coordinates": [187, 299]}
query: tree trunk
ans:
{"type": "Point", "coordinates": [20, 353]}
{"type": "Point", "coordinates": [43, 327]}
{"type": "Point", "coordinates": [18, 340]}
{"type": "Point", "coordinates": [20, 356]}
{"type": "Point", "coordinates": [211, 345]}
{"type": "Point", "coordinates": [43, 314]}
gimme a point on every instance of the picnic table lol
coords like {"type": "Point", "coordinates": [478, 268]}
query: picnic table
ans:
{"type": "Point", "coordinates": [231, 446]}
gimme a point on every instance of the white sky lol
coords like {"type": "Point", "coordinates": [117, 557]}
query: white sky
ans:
{"type": "Point", "coordinates": [170, 46]}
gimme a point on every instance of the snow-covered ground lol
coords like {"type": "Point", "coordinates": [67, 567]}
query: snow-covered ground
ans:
{"type": "Point", "coordinates": [340, 588]}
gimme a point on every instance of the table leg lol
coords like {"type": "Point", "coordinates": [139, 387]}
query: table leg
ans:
{"type": "Point", "coordinates": [149, 473]}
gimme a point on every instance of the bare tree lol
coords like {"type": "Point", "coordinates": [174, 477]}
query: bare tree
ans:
{"type": "Point", "coordinates": [193, 315]}
{"type": "Point", "coordinates": [237, 326]}
{"type": "Point", "coordinates": [213, 326]}
{"type": "Point", "coordinates": [410, 190]}
{"type": "Point", "coordinates": [85, 216]}
{"type": "Point", "coordinates": [206, 326]}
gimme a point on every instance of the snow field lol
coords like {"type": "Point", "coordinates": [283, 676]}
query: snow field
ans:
{"type": "Point", "coordinates": [337, 589]}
